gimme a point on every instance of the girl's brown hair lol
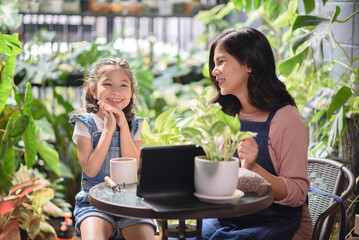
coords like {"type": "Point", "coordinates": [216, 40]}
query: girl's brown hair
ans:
{"type": "Point", "coordinates": [95, 74]}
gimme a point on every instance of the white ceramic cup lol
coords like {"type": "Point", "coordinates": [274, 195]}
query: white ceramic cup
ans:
{"type": "Point", "coordinates": [123, 170]}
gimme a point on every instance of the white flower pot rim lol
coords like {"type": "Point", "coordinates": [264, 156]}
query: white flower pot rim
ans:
{"type": "Point", "coordinates": [204, 159]}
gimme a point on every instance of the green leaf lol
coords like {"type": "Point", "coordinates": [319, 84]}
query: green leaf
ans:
{"type": "Point", "coordinates": [30, 132]}
{"type": "Point", "coordinates": [339, 100]}
{"type": "Point", "coordinates": [318, 115]}
{"type": "Point", "coordinates": [5, 179]}
{"type": "Point", "coordinates": [317, 29]}
{"type": "Point", "coordinates": [19, 126]}
{"type": "Point", "coordinates": [9, 159]}
{"type": "Point", "coordinates": [225, 11]}
{"type": "Point", "coordinates": [68, 107]}
{"type": "Point", "coordinates": [9, 125]}
{"type": "Point", "coordinates": [342, 126]}
{"type": "Point", "coordinates": [257, 4]}
{"type": "Point", "coordinates": [354, 105]}
{"type": "Point", "coordinates": [233, 122]}
{"type": "Point", "coordinates": [10, 45]}
{"type": "Point", "coordinates": [248, 5]}
{"type": "Point", "coordinates": [333, 131]}
{"type": "Point", "coordinates": [217, 129]}
{"type": "Point", "coordinates": [43, 196]}
{"type": "Point", "coordinates": [242, 135]}
{"type": "Point", "coordinates": [65, 170]}
{"type": "Point", "coordinates": [298, 41]}
{"type": "Point", "coordinates": [146, 134]}
{"type": "Point", "coordinates": [238, 4]}
{"type": "Point", "coordinates": [191, 133]}
{"type": "Point", "coordinates": [5, 81]}
{"type": "Point", "coordinates": [287, 66]}
{"type": "Point", "coordinates": [288, 16]}
{"type": "Point", "coordinates": [49, 155]}
{"type": "Point", "coordinates": [163, 118]}
{"type": "Point", "coordinates": [336, 14]}
{"type": "Point", "coordinates": [309, 5]}
{"type": "Point", "coordinates": [308, 20]}
{"type": "Point", "coordinates": [38, 110]}
{"type": "Point", "coordinates": [170, 126]}
{"type": "Point", "coordinates": [4, 48]}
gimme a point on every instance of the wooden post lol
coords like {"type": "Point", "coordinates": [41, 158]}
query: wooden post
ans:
{"type": "Point", "coordinates": [350, 148]}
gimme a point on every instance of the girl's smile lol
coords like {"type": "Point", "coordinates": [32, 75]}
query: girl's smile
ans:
{"type": "Point", "coordinates": [113, 87]}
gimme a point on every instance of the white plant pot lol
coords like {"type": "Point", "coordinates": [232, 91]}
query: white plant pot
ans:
{"type": "Point", "coordinates": [215, 178]}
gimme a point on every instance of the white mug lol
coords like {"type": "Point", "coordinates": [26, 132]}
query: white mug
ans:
{"type": "Point", "coordinates": [123, 170]}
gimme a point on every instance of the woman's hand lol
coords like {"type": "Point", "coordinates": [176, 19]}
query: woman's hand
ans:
{"type": "Point", "coordinates": [118, 113]}
{"type": "Point", "coordinates": [248, 153]}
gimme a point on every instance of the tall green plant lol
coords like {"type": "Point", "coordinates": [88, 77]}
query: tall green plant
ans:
{"type": "Point", "coordinates": [18, 136]}
{"type": "Point", "coordinates": [312, 31]}
{"type": "Point", "coordinates": [19, 145]}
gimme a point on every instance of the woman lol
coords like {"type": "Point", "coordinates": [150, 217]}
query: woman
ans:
{"type": "Point", "coordinates": [242, 68]}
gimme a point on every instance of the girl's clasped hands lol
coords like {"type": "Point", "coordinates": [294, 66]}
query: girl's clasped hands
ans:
{"type": "Point", "coordinates": [112, 116]}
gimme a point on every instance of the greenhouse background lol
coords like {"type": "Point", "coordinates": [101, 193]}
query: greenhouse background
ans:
{"type": "Point", "coordinates": [315, 42]}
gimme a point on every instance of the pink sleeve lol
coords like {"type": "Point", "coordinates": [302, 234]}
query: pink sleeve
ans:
{"type": "Point", "coordinates": [289, 141]}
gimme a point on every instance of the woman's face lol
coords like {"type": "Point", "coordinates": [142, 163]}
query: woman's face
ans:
{"type": "Point", "coordinates": [231, 75]}
{"type": "Point", "coordinates": [113, 87]}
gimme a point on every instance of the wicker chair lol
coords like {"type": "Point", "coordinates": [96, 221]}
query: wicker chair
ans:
{"type": "Point", "coordinates": [331, 177]}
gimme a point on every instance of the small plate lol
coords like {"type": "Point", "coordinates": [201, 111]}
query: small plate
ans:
{"type": "Point", "coordinates": [220, 199]}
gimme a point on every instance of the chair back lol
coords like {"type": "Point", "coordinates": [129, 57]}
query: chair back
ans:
{"type": "Point", "coordinates": [332, 177]}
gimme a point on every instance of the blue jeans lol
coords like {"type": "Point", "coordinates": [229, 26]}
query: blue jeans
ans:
{"type": "Point", "coordinates": [268, 224]}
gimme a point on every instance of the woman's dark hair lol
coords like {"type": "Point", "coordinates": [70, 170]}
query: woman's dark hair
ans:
{"type": "Point", "coordinates": [96, 73]}
{"type": "Point", "coordinates": [251, 47]}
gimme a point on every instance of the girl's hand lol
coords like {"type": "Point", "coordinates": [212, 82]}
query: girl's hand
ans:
{"type": "Point", "coordinates": [109, 121]}
{"type": "Point", "coordinates": [248, 152]}
{"type": "Point", "coordinates": [118, 113]}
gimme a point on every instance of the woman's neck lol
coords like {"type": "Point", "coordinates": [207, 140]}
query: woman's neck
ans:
{"type": "Point", "coordinates": [247, 108]}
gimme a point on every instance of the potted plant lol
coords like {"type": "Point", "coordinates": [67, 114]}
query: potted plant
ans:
{"type": "Point", "coordinates": [27, 206]}
{"type": "Point", "coordinates": [216, 173]}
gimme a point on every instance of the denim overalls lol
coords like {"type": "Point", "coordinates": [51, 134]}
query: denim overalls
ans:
{"type": "Point", "coordinates": [277, 222]}
{"type": "Point", "coordinates": [83, 208]}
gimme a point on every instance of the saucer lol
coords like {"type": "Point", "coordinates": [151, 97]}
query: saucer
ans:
{"type": "Point", "coordinates": [220, 199]}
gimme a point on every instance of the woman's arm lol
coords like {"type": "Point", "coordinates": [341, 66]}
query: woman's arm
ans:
{"type": "Point", "coordinates": [248, 152]}
{"type": "Point", "coordinates": [291, 148]}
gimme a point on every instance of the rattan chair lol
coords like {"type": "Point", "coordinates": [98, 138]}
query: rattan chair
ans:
{"type": "Point", "coordinates": [331, 177]}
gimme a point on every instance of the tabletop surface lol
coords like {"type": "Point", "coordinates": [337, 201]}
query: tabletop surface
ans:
{"type": "Point", "coordinates": [126, 203]}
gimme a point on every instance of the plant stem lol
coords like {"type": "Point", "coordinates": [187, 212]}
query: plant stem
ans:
{"type": "Point", "coordinates": [345, 53]}
{"type": "Point", "coordinates": [343, 21]}
{"type": "Point", "coordinates": [2, 66]}
{"type": "Point", "coordinates": [352, 203]}
{"type": "Point", "coordinates": [9, 113]}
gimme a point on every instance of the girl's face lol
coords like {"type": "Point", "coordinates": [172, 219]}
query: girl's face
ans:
{"type": "Point", "coordinates": [113, 87]}
{"type": "Point", "coordinates": [231, 75]}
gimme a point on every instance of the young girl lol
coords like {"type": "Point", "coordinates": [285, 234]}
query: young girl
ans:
{"type": "Point", "coordinates": [109, 129]}
{"type": "Point", "coordinates": [242, 68]}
